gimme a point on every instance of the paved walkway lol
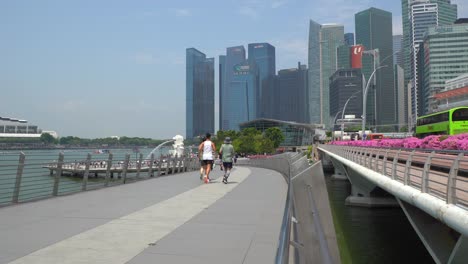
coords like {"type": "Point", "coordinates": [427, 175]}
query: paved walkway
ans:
{"type": "Point", "coordinates": [173, 219]}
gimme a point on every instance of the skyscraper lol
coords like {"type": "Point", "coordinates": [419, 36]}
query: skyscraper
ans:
{"type": "Point", "coordinates": [314, 73]}
{"type": "Point", "coordinates": [199, 87]}
{"type": "Point", "coordinates": [323, 43]}
{"type": "Point", "coordinates": [397, 50]}
{"type": "Point", "coordinates": [263, 54]}
{"type": "Point", "coordinates": [234, 56]}
{"type": "Point", "coordinates": [417, 16]}
{"type": "Point", "coordinates": [374, 31]}
{"type": "Point", "coordinates": [349, 39]}
{"type": "Point", "coordinates": [292, 95]}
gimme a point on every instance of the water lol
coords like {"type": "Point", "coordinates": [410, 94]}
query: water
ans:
{"type": "Point", "coordinates": [377, 235]}
{"type": "Point", "coordinates": [37, 182]}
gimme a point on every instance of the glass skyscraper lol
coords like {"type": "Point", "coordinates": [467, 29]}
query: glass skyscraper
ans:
{"type": "Point", "coordinates": [199, 88]}
{"type": "Point", "coordinates": [349, 39]}
{"type": "Point", "coordinates": [292, 94]}
{"type": "Point", "coordinates": [374, 31]}
{"type": "Point", "coordinates": [263, 55]}
{"type": "Point", "coordinates": [234, 56]}
{"type": "Point", "coordinates": [418, 16]}
{"type": "Point", "coordinates": [241, 96]}
{"type": "Point", "coordinates": [314, 73]}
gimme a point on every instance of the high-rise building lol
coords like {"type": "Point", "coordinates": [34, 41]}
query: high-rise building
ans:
{"type": "Point", "coordinates": [314, 73]}
{"type": "Point", "coordinates": [401, 97]}
{"type": "Point", "coordinates": [234, 56]}
{"type": "Point", "coordinates": [292, 87]}
{"type": "Point", "coordinates": [345, 83]}
{"type": "Point", "coordinates": [397, 50]}
{"type": "Point", "coordinates": [343, 57]}
{"type": "Point", "coordinates": [199, 87]}
{"type": "Point", "coordinates": [374, 32]}
{"type": "Point", "coordinates": [444, 55]}
{"type": "Point", "coordinates": [455, 93]}
{"type": "Point", "coordinates": [323, 43]}
{"type": "Point", "coordinates": [417, 16]}
{"type": "Point", "coordinates": [240, 97]}
{"type": "Point", "coordinates": [349, 39]}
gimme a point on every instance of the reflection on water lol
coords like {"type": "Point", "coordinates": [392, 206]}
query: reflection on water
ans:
{"type": "Point", "coordinates": [378, 235]}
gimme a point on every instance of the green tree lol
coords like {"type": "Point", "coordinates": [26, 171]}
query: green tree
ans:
{"type": "Point", "coordinates": [404, 129]}
{"type": "Point", "coordinates": [275, 135]}
{"type": "Point", "coordinates": [264, 145]}
{"type": "Point", "coordinates": [47, 138]}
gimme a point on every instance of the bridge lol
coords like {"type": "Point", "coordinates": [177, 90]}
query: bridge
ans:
{"type": "Point", "coordinates": [269, 208]}
{"type": "Point", "coordinates": [431, 187]}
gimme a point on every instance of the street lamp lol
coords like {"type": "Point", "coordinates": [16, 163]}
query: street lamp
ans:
{"type": "Point", "coordinates": [344, 110]}
{"type": "Point", "coordinates": [333, 126]}
{"type": "Point", "coordinates": [364, 98]}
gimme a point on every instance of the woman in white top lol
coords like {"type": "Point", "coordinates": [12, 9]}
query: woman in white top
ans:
{"type": "Point", "coordinates": [207, 147]}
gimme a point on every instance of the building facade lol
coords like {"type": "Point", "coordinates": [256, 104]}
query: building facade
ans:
{"type": "Point", "coordinates": [397, 50]}
{"type": "Point", "coordinates": [263, 55]}
{"type": "Point", "coordinates": [343, 57]}
{"type": "Point", "coordinates": [455, 93]}
{"type": "Point", "coordinates": [199, 93]}
{"type": "Point", "coordinates": [314, 65]}
{"type": "Point", "coordinates": [344, 84]}
{"type": "Point", "coordinates": [349, 39]}
{"type": "Point", "coordinates": [234, 56]}
{"type": "Point", "coordinates": [418, 16]}
{"type": "Point", "coordinates": [374, 32]}
{"type": "Point", "coordinates": [292, 94]}
{"type": "Point", "coordinates": [444, 57]}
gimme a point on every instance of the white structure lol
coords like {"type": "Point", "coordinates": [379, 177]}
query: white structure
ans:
{"type": "Point", "coordinates": [178, 146]}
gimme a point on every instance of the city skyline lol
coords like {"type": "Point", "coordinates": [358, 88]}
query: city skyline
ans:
{"type": "Point", "coordinates": [89, 70]}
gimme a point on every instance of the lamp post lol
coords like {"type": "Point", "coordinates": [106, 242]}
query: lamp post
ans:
{"type": "Point", "coordinates": [333, 126]}
{"type": "Point", "coordinates": [364, 98]}
{"type": "Point", "coordinates": [344, 110]}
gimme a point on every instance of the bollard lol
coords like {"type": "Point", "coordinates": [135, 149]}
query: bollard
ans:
{"type": "Point", "coordinates": [109, 164]}
{"type": "Point", "coordinates": [125, 168]}
{"type": "Point", "coordinates": [150, 169]}
{"type": "Point", "coordinates": [86, 173]}
{"type": "Point", "coordinates": [58, 174]}
{"type": "Point", "coordinates": [19, 175]}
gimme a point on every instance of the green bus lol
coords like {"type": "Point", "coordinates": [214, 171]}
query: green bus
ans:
{"type": "Point", "coordinates": [449, 122]}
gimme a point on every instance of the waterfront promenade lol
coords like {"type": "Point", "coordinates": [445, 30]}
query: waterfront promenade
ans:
{"type": "Point", "coordinates": [169, 219]}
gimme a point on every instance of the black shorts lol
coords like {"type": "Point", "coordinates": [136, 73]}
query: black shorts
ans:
{"type": "Point", "coordinates": [227, 165]}
{"type": "Point", "coordinates": [206, 162]}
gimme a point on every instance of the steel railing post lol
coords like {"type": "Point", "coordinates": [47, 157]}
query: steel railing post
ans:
{"type": "Point", "coordinates": [384, 163]}
{"type": "Point", "coordinates": [377, 158]}
{"type": "Point", "coordinates": [452, 180]}
{"type": "Point", "coordinates": [425, 174]}
{"type": "Point", "coordinates": [125, 168]}
{"type": "Point", "coordinates": [58, 174]}
{"type": "Point", "coordinates": [86, 173]}
{"type": "Point", "coordinates": [139, 161]}
{"type": "Point", "coordinates": [150, 169]}
{"type": "Point", "coordinates": [408, 168]}
{"type": "Point", "coordinates": [395, 162]}
{"type": "Point", "coordinates": [160, 165]}
{"type": "Point", "coordinates": [174, 160]}
{"type": "Point", "coordinates": [19, 175]}
{"type": "Point", "coordinates": [109, 164]}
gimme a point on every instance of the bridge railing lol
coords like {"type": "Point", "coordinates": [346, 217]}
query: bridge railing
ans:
{"type": "Point", "coordinates": [307, 223]}
{"type": "Point", "coordinates": [38, 175]}
{"type": "Point", "coordinates": [443, 174]}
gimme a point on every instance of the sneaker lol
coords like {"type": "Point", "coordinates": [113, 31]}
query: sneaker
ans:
{"type": "Point", "coordinates": [207, 180]}
{"type": "Point", "coordinates": [224, 180]}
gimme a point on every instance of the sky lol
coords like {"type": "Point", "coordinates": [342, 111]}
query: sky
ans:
{"type": "Point", "coordinates": [117, 68]}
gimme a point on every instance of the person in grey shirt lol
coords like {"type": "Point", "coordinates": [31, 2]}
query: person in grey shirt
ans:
{"type": "Point", "coordinates": [227, 150]}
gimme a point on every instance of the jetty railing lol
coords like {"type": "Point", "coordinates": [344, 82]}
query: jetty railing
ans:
{"type": "Point", "coordinates": [38, 175]}
{"type": "Point", "coordinates": [307, 225]}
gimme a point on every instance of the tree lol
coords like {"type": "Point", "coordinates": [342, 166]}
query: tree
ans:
{"type": "Point", "coordinates": [47, 138]}
{"type": "Point", "coordinates": [275, 135]}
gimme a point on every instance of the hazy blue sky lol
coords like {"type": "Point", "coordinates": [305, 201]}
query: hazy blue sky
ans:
{"type": "Point", "coordinates": [102, 68]}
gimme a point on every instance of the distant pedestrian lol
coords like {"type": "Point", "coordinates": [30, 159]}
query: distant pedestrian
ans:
{"type": "Point", "coordinates": [227, 150]}
{"type": "Point", "coordinates": [200, 157]}
{"type": "Point", "coordinates": [208, 147]}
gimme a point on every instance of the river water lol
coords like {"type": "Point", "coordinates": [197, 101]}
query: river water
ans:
{"type": "Point", "coordinates": [377, 235]}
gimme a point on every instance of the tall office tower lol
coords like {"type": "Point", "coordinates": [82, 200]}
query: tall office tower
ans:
{"type": "Point", "coordinates": [444, 56]}
{"type": "Point", "coordinates": [345, 83]}
{"type": "Point", "coordinates": [343, 57]}
{"type": "Point", "coordinates": [349, 39]}
{"type": "Point", "coordinates": [417, 16]}
{"type": "Point", "coordinates": [315, 83]}
{"type": "Point", "coordinates": [374, 31]}
{"type": "Point", "coordinates": [234, 56]}
{"type": "Point", "coordinates": [241, 96]}
{"type": "Point", "coordinates": [292, 94]}
{"type": "Point", "coordinates": [263, 54]}
{"type": "Point", "coordinates": [199, 88]}
{"type": "Point", "coordinates": [397, 50]}
{"type": "Point", "coordinates": [221, 72]}
{"type": "Point", "coordinates": [401, 97]}
{"type": "Point", "coordinates": [323, 43]}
